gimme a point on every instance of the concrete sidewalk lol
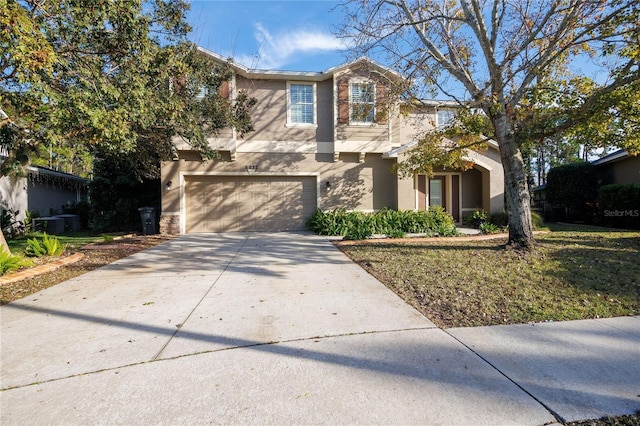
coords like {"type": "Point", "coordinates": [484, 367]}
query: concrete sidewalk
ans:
{"type": "Point", "coordinates": [283, 328]}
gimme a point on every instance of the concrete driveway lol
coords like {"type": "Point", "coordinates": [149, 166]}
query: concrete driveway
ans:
{"type": "Point", "coordinates": [255, 328]}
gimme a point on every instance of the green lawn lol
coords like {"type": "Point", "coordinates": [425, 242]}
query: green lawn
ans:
{"type": "Point", "coordinates": [574, 272]}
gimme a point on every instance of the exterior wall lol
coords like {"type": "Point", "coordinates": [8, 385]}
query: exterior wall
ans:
{"type": "Point", "coordinates": [472, 189]}
{"type": "Point", "coordinates": [48, 201]}
{"type": "Point", "coordinates": [22, 194]}
{"type": "Point", "coordinates": [412, 123]}
{"type": "Point", "coordinates": [13, 196]}
{"type": "Point", "coordinates": [345, 158]}
{"type": "Point", "coordinates": [482, 186]}
{"type": "Point", "coordinates": [367, 185]}
{"type": "Point", "coordinates": [361, 137]}
{"type": "Point", "coordinates": [623, 171]}
{"type": "Point", "coordinates": [488, 162]}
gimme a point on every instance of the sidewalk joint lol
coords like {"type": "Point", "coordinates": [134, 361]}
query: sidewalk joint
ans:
{"type": "Point", "coordinates": [557, 416]}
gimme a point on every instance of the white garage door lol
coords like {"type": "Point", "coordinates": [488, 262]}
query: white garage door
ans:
{"type": "Point", "coordinates": [249, 203]}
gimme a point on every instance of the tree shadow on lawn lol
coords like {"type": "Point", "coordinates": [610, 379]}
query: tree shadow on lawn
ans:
{"type": "Point", "coordinates": [596, 264]}
{"type": "Point", "coordinates": [601, 270]}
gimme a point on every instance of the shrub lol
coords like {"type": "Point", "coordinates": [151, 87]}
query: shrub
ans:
{"type": "Point", "coordinates": [107, 238]}
{"type": "Point", "coordinates": [488, 228]}
{"type": "Point", "coordinates": [619, 205]}
{"type": "Point", "coordinates": [394, 223]}
{"type": "Point", "coordinates": [475, 219]}
{"type": "Point", "coordinates": [500, 219]}
{"type": "Point", "coordinates": [28, 220]}
{"type": "Point", "coordinates": [396, 234]}
{"type": "Point", "coordinates": [10, 262]}
{"type": "Point", "coordinates": [330, 222]}
{"type": "Point", "coordinates": [360, 226]}
{"type": "Point", "coordinates": [572, 189]}
{"type": "Point", "coordinates": [444, 223]}
{"type": "Point", "coordinates": [47, 246]}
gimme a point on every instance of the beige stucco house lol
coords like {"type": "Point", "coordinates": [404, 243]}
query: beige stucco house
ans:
{"type": "Point", "coordinates": [322, 140]}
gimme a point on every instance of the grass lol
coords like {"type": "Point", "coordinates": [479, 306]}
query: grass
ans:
{"type": "Point", "coordinates": [628, 420]}
{"type": "Point", "coordinates": [574, 272]}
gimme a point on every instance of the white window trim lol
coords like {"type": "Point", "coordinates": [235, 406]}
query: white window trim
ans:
{"type": "Point", "coordinates": [313, 125]}
{"type": "Point", "coordinates": [437, 120]}
{"type": "Point", "coordinates": [362, 80]}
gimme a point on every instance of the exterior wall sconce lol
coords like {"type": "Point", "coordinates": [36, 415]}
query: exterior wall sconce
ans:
{"type": "Point", "coordinates": [328, 185]}
{"type": "Point", "coordinates": [251, 169]}
{"type": "Point", "coordinates": [168, 185]}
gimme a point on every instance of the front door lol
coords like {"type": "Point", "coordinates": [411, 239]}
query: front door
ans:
{"type": "Point", "coordinates": [437, 192]}
{"type": "Point", "coordinates": [440, 190]}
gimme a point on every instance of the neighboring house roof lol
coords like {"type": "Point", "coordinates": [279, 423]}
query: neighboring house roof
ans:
{"type": "Point", "coordinates": [56, 178]}
{"type": "Point", "coordinates": [614, 156]}
{"type": "Point", "coordinates": [300, 75]}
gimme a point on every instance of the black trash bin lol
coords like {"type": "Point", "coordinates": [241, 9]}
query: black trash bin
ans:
{"type": "Point", "coordinates": [148, 218]}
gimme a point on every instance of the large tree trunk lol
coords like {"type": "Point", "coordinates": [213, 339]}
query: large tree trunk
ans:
{"type": "Point", "coordinates": [515, 182]}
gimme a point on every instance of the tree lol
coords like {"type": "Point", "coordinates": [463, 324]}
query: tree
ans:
{"type": "Point", "coordinates": [108, 79]}
{"type": "Point", "coordinates": [498, 52]}
{"type": "Point", "coordinates": [103, 84]}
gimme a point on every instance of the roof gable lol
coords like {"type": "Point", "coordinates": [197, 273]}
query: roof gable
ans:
{"type": "Point", "coordinates": [303, 75]}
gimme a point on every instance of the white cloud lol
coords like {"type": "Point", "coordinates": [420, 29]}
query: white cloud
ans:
{"type": "Point", "coordinates": [276, 50]}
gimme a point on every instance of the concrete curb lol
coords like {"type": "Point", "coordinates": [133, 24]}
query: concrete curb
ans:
{"type": "Point", "coordinates": [478, 237]}
{"type": "Point", "coordinates": [41, 269]}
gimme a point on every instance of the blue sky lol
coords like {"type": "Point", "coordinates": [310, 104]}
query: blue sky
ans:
{"type": "Point", "coordinates": [292, 35]}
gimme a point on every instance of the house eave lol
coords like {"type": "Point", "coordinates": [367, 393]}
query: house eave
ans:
{"type": "Point", "coordinates": [614, 156]}
{"type": "Point", "coordinates": [396, 151]}
{"type": "Point", "coordinates": [44, 171]}
{"type": "Point", "coordinates": [254, 73]}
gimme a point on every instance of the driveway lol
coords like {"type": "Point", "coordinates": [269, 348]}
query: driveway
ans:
{"type": "Point", "coordinates": [243, 328]}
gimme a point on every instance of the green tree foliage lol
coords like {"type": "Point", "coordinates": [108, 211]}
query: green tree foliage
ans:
{"type": "Point", "coordinates": [574, 187]}
{"type": "Point", "coordinates": [103, 86]}
{"type": "Point", "coordinates": [103, 83]}
{"type": "Point", "coordinates": [504, 54]}
{"type": "Point", "coordinates": [116, 194]}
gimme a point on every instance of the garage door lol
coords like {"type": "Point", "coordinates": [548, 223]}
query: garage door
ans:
{"type": "Point", "coordinates": [249, 203]}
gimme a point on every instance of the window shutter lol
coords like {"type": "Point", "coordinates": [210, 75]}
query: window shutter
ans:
{"type": "Point", "coordinates": [382, 104]}
{"type": "Point", "coordinates": [224, 90]}
{"type": "Point", "coordinates": [343, 101]}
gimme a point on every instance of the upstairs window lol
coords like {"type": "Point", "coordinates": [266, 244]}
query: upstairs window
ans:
{"type": "Point", "coordinates": [362, 102]}
{"type": "Point", "coordinates": [301, 100]}
{"type": "Point", "coordinates": [445, 117]}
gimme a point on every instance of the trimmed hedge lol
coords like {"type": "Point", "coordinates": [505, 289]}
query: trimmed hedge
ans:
{"type": "Point", "coordinates": [356, 225]}
{"type": "Point", "coordinates": [619, 205]}
{"type": "Point", "coordinates": [572, 190]}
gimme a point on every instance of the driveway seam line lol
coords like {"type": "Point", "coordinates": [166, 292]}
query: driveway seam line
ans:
{"type": "Point", "coordinates": [555, 414]}
{"type": "Point", "coordinates": [155, 359]}
{"type": "Point", "coordinates": [170, 339]}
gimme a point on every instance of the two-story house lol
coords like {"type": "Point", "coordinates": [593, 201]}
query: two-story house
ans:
{"type": "Point", "coordinates": [322, 140]}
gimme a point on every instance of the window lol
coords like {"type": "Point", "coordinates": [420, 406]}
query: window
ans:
{"type": "Point", "coordinates": [436, 191]}
{"type": "Point", "coordinates": [301, 101]}
{"type": "Point", "coordinates": [362, 101]}
{"type": "Point", "coordinates": [445, 117]}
